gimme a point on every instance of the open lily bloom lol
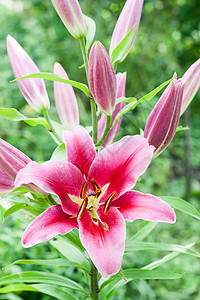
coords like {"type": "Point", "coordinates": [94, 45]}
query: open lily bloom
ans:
{"type": "Point", "coordinates": [95, 196]}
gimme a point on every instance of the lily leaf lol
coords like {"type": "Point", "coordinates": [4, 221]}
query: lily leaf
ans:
{"type": "Point", "coordinates": [59, 153]}
{"type": "Point", "coordinates": [181, 205]}
{"type": "Point", "coordinates": [127, 100]}
{"type": "Point", "coordinates": [42, 277]}
{"type": "Point", "coordinates": [165, 259]}
{"type": "Point", "coordinates": [59, 262]}
{"type": "Point", "coordinates": [132, 274]}
{"type": "Point", "coordinates": [14, 115]}
{"type": "Point", "coordinates": [145, 230]}
{"type": "Point", "coordinates": [70, 250]}
{"type": "Point", "coordinates": [120, 51]}
{"type": "Point", "coordinates": [53, 77]}
{"type": "Point", "coordinates": [16, 207]}
{"type": "Point", "coordinates": [132, 105]}
{"type": "Point", "coordinates": [90, 31]}
{"type": "Point", "coordinates": [141, 246]}
{"type": "Point", "coordinates": [181, 128]}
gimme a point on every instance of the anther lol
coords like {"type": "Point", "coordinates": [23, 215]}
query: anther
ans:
{"type": "Point", "coordinates": [98, 192]}
{"type": "Point", "coordinates": [105, 226]}
{"type": "Point", "coordinates": [82, 208]}
{"type": "Point", "coordinates": [95, 185]}
{"type": "Point", "coordinates": [108, 202]}
{"type": "Point", "coordinates": [83, 191]}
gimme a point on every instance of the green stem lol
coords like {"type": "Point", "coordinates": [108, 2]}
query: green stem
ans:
{"type": "Point", "coordinates": [92, 102]}
{"type": "Point", "coordinates": [94, 120]}
{"type": "Point", "coordinates": [94, 282]}
{"type": "Point", "coordinates": [51, 129]}
{"type": "Point", "coordinates": [106, 131]}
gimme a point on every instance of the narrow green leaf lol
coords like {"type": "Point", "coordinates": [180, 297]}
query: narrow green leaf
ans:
{"type": "Point", "coordinates": [90, 31]}
{"type": "Point", "coordinates": [153, 93]}
{"type": "Point", "coordinates": [70, 250]}
{"type": "Point", "coordinates": [132, 274]}
{"type": "Point", "coordinates": [13, 114]}
{"type": "Point", "coordinates": [181, 128]}
{"type": "Point", "coordinates": [42, 277]}
{"type": "Point", "coordinates": [144, 231]}
{"type": "Point", "coordinates": [59, 262]}
{"type": "Point", "coordinates": [127, 100]}
{"type": "Point", "coordinates": [181, 205]}
{"type": "Point", "coordinates": [120, 51]}
{"type": "Point", "coordinates": [165, 259]}
{"type": "Point", "coordinates": [121, 274]}
{"type": "Point", "coordinates": [17, 207]}
{"type": "Point", "coordinates": [133, 104]}
{"type": "Point", "coordinates": [59, 153]}
{"type": "Point", "coordinates": [17, 288]}
{"type": "Point", "coordinates": [140, 246]}
{"type": "Point", "coordinates": [161, 261]}
{"type": "Point", "coordinates": [54, 291]}
{"type": "Point", "coordinates": [53, 77]}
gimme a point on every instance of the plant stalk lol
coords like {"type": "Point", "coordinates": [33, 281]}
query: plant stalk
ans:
{"type": "Point", "coordinates": [51, 129]}
{"type": "Point", "coordinates": [94, 282]}
{"type": "Point", "coordinates": [106, 131]}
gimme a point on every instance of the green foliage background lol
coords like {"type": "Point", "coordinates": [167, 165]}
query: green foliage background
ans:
{"type": "Point", "coordinates": [168, 40]}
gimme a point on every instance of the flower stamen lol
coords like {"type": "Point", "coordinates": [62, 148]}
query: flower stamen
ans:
{"type": "Point", "coordinates": [82, 208]}
{"type": "Point", "coordinates": [98, 192]}
{"type": "Point", "coordinates": [83, 191]}
{"type": "Point", "coordinates": [108, 202]}
{"type": "Point", "coordinates": [95, 185]}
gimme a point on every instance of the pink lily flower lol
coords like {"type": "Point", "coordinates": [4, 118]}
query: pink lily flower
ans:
{"type": "Point", "coordinates": [71, 15]}
{"type": "Point", "coordinates": [129, 17]}
{"type": "Point", "coordinates": [192, 78]}
{"type": "Point", "coordinates": [95, 196]}
{"type": "Point", "coordinates": [102, 78]}
{"type": "Point", "coordinates": [33, 89]}
{"type": "Point", "coordinates": [65, 99]}
{"type": "Point", "coordinates": [121, 85]}
{"type": "Point", "coordinates": [163, 121]}
{"type": "Point", "coordinates": [11, 161]}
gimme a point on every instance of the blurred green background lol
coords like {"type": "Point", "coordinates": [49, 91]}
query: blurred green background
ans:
{"type": "Point", "coordinates": [168, 40]}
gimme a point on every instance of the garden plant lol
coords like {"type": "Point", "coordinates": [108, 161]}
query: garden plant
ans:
{"type": "Point", "coordinates": [82, 199]}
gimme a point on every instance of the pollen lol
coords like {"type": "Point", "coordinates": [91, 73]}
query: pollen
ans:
{"type": "Point", "coordinates": [83, 191]}
{"type": "Point", "coordinates": [108, 202]}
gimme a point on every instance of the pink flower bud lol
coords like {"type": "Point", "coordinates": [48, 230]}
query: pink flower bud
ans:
{"type": "Point", "coordinates": [11, 161]}
{"type": "Point", "coordinates": [71, 15]}
{"type": "Point", "coordinates": [32, 89]}
{"type": "Point", "coordinates": [102, 78]}
{"type": "Point", "coordinates": [192, 84]}
{"type": "Point", "coordinates": [65, 99]}
{"type": "Point", "coordinates": [121, 85]}
{"type": "Point", "coordinates": [163, 120]}
{"type": "Point", "coordinates": [129, 16]}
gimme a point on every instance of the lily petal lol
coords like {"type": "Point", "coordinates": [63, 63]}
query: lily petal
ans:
{"type": "Point", "coordinates": [121, 163]}
{"type": "Point", "coordinates": [5, 188]}
{"type": "Point", "coordinates": [65, 99]}
{"type": "Point", "coordinates": [134, 205]}
{"type": "Point", "coordinates": [57, 177]}
{"type": "Point", "coordinates": [80, 148]}
{"type": "Point", "coordinates": [51, 222]}
{"type": "Point", "coordinates": [105, 248]}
